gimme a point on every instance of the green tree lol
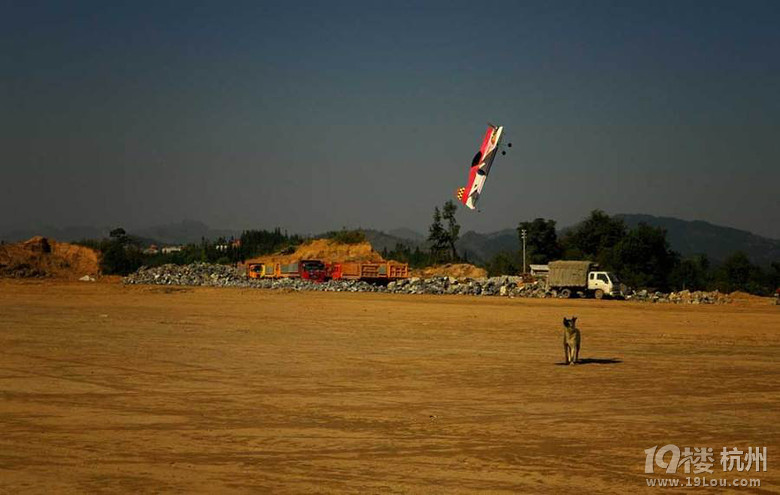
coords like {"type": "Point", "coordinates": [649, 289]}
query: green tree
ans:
{"type": "Point", "coordinates": [452, 230]}
{"type": "Point", "coordinates": [504, 263]}
{"type": "Point", "coordinates": [594, 237]}
{"type": "Point", "coordinates": [120, 255]}
{"type": "Point", "coordinates": [259, 242]}
{"type": "Point", "coordinates": [738, 273]}
{"type": "Point", "coordinates": [541, 245]}
{"type": "Point", "coordinates": [642, 257]}
{"type": "Point", "coordinates": [416, 258]}
{"type": "Point", "coordinates": [442, 237]}
{"type": "Point", "coordinates": [691, 273]}
{"type": "Point", "coordinates": [437, 237]}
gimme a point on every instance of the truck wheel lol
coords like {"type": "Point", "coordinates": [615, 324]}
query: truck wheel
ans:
{"type": "Point", "coordinates": [598, 294]}
{"type": "Point", "coordinates": [565, 293]}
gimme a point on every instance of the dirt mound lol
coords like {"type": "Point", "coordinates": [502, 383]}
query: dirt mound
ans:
{"type": "Point", "coordinates": [745, 298]}
{"type": "Point", "coordinates": [326, 250]}
{"type": "Point", "coordinates": [738, 294]}
{"type": "Point", "coordinates": [457, 270]}
{"type": "Point", "coordinates": [42, 257]}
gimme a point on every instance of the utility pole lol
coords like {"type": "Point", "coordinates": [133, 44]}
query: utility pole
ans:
{"type": "Point", "coordinates": [522, 234]}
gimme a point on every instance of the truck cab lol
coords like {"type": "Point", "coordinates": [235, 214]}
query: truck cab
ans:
{"type": "Point", "coordinates": [255, 270]}
{"type": "Point", "coordinates": [604, 283]}
{"type": "Point", "coordinates": [314, 270]}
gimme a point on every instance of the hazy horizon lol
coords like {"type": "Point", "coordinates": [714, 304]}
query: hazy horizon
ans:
{"type": "Point", "coordinates": [38, 229]}
{"type": "Point", "coordinates": [317, 116]}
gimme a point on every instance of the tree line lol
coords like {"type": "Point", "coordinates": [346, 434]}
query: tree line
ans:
{"type": "Point", "coordinates": [122, 253]}
{"type": "Point", "coordinates": [641, 256]}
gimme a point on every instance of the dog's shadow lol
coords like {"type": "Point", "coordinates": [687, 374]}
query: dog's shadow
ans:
{"type": "Point", "coordinates": [593, 361]}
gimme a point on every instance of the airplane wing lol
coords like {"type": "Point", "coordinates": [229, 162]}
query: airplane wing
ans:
{"type": "Point", "coordinates": [480, 167]}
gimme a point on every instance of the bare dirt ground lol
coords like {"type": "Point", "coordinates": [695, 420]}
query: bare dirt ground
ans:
{"type": "Point", "coordinates": [105, 388]}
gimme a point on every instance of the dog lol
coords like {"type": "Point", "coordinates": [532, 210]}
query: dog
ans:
{"type": "Point", "coordinates": [571, 340]}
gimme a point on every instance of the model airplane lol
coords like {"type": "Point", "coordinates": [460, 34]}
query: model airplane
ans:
{"type": "Point", "coordinates": [480, 167]}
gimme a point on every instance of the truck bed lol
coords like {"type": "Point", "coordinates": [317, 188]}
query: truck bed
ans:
{"type": "Point", "coordinates": [569, 273]}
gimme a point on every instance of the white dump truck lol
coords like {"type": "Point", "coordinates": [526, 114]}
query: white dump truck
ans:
{"type": "Point", "coordinates": [569, 277]}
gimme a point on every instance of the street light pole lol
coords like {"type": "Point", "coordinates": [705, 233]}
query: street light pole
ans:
{"type": "Point", "coordinates": [522, 232]}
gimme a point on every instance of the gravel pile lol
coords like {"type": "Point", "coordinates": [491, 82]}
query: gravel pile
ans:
{"type": "Point", "coordinates": [493, 286]}
{"type": "Point", "coordinates": [194, 274]}
{"type": "Point", "coordinates": [203, 274]}
{"type": "Point", "coordinates": [682, 297]}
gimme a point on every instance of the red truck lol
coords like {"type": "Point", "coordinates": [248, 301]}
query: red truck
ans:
{"type": "Point", "coordinates": [382, 271]}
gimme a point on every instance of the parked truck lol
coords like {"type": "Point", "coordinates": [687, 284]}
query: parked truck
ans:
{"type": "Point", "coordinates": [382, 271]}
{"type": "Point", "coordinates": [314, 270]}
{"type": "Point", "coordinates": [568, 277]}
{"type": "Point", "coordinates": [260, 270]}
{"type": "Point", "coordinates": [318, 271]}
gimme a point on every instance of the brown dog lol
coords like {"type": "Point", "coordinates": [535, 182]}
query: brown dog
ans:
{"type": "Point", "coordinates": [571, 340]}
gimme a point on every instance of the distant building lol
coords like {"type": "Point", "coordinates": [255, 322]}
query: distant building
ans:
{"type": "Point", "coordinates": [153, 249]}
{"type": "Point", "coordinates": [231, 244]}
{"type": "Point", "coordinates": [171, 249]}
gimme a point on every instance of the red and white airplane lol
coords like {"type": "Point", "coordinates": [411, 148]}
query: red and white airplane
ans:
{"type": "Point", "coordinates": [480, 167]}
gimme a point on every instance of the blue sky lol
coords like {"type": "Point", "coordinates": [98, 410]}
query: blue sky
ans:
{"type": "Point", "coordinates": [317, 115]}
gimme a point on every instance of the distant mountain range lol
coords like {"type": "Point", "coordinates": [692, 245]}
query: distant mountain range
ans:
{"type": "Point", "coordinates": [184, 232]}
{"type": "Point", "coordinates": [65, 234]}
{"type": "Point", "coordinates": [381, 240]}
{"type": "Point", "coordinates": [685, 237]}
{"type": "Point", "coordinates": [717, 242]}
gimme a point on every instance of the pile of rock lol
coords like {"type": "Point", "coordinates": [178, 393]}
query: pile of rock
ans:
{"type": "Point", "coordinates": [682, 297]}
{"type": "Point", "coordinates": [203, 274]}
{"type": "Point", "coordinates": [194, 274]}
{"type": "Point", "coordinates": [492, 286]}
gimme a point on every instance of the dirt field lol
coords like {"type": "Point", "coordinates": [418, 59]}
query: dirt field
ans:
{"type": "Point", "coordinates": [105, 388]}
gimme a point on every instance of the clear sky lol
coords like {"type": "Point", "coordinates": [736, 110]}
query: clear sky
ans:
{"type": "Point", "coordinates": [316, 115]}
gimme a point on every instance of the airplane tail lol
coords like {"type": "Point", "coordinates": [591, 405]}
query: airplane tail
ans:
{"type": "Point", "coordinates": [460, 193]}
